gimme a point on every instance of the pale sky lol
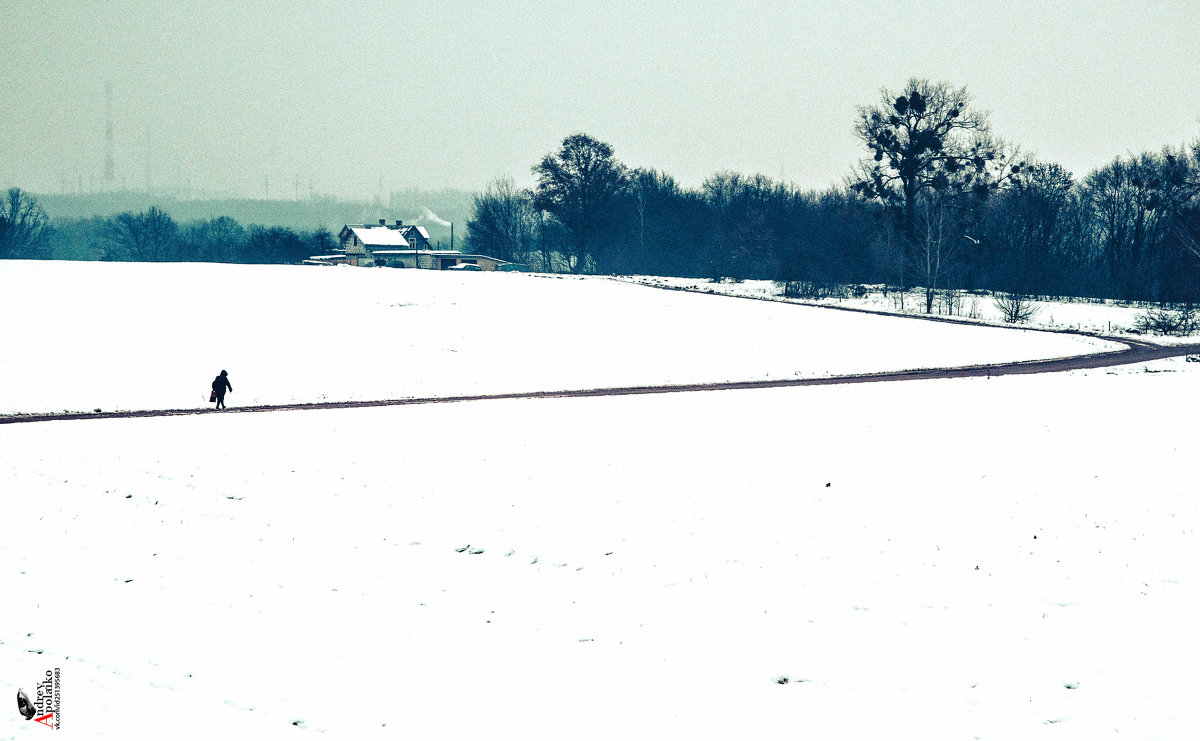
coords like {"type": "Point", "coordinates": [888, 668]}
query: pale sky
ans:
{"type": "Point", "coordinates": [223, 95]}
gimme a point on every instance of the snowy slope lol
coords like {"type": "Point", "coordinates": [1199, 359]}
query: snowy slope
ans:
{"type": "Point", "coordinates": [80, 336]}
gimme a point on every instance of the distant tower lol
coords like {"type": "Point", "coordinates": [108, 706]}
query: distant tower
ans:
{"type": "Point", "coordinates": [147, 158]}
{"type": "Point", "coordinates": [109, 171]}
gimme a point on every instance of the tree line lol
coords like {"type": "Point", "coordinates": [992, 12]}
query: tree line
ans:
{"type": "Point", "coordinates": [151, 235]}
{"type": "Point", "coordinates": [939, 201]}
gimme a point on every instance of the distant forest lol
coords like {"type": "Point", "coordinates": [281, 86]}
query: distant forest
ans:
{"type": "Point", "coordinates": [939, 202]}
{"type": "Point", "coordinates": [128, 225]}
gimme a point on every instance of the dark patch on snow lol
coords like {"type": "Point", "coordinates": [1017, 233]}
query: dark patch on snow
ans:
{"type": "Point", "coordinates": [785, 679]}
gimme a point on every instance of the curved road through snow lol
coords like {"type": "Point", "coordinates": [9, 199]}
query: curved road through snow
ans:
{"type": "Point", "coordinates": [1136, 351]}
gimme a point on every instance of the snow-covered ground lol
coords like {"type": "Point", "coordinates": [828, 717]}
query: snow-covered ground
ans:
{"type": "Point", "coordinates": [81, 336]}
{"type": "Point", "coordinates": [1083, 315]}
{"type": "Point", "coordinates": [1005, 558]}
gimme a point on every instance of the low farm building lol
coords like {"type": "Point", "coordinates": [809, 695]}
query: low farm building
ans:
{"type": "Point", "coordinates": [396, 245]}
{"type": "Point", "coordinates": [434, 259]}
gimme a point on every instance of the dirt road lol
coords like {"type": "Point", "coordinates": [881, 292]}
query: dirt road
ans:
{"type": "Point", "coordinates": [1136, 351]}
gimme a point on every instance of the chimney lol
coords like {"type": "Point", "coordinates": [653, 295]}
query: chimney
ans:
{"type": "Point", "coordinates": [399, 223]}
{"type": "Point", "coordinates": [383, 222]}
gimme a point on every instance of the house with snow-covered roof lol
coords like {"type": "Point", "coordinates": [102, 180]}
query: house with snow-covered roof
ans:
{"type": "Point", "coordinates": [359, 242]}
{"type": "Point", "coordinates": [396, 245]}
{"type": "Point", "coordinates": [416, 236]}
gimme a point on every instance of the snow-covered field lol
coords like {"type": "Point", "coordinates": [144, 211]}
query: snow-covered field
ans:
{"type": "Point", "coordinates": [1105, 317]}
{"type": "Point", "coordinates": [1005, 558]}
{"type": "Point", "coordinates": [111, 336]}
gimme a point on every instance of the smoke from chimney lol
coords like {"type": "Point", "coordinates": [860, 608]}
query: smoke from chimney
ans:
{"type": "Point", "coordinates": [428, 215]}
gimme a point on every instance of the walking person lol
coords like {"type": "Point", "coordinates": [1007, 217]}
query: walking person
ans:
{"type": "Point", "coordinates": [220, 385]}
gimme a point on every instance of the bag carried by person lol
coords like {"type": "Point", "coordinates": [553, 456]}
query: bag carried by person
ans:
{"type": "Point", "coordinates": [212, 396]}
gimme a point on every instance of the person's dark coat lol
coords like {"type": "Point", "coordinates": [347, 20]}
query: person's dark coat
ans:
{"type": "Point", "coordinates": [221, 384]}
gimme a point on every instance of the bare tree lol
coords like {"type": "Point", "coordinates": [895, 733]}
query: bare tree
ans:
{"type": "Point", "coordinates": [1031, 228]}
{"type": "Point", "coordinates": [1182, 321]}
{"type": "Point", "coordinates": [1180, 199]}
{"type": "Point", "coordinates": [643, 182]}
{"type": "Point", "coordinates": [1128, 224]}
{"type": "Point", "coordinates": [24, 226]}
{"type": "Point", "coordinates": [322, 240]}
{"type": "Point", "coordinates": [1016, 307]}
{"type": "Point", "coordinates": [1185, 231]}
{"type": "Point", "coordinates": [149, 236]}
{"type": "Point", "coordinates": [720, 190]}
{"type": "Point", "coordinates": [503, 221]}
{"type": "Point", "coordinates": [552, 244]}
{"type": "Point", "coordinates": [938, 245]}
{"type": "Point", "coordinates": [224, 240]}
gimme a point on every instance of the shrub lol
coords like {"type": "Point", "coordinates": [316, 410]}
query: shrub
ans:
{"type": "Point", "coordinates": [1015, 307]}
{"type": "Point", "coordinates": [1180, 322]}
{"type": "Point", "coordinates": [951, 301]}
{"type": "Point", "coordinates": [813, 290]}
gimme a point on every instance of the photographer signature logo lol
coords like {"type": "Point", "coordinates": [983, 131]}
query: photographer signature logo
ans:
{"type": "Point", "coordinates": [46, 706]}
